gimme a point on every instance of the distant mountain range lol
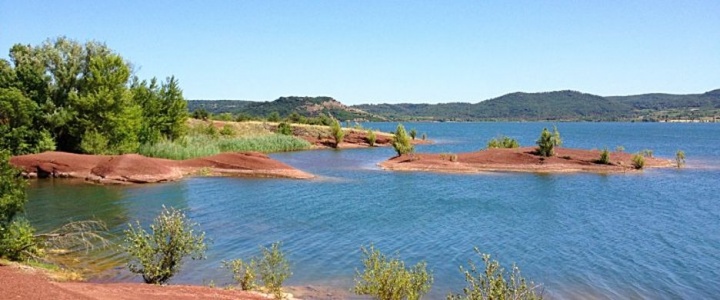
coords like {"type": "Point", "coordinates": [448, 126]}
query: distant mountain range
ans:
{"type": "Point", "coordinates": [558, 106]}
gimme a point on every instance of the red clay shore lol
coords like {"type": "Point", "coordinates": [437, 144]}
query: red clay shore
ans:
{"type": "Point", "coordinates": [20, 282]}
{"type": "Point", "coordinates": [520, 160]}
{"type": "Point", "coordinates": [134, 168]}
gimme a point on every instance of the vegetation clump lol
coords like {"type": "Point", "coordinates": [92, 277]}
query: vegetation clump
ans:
{"type": "Point", "coordinates": [413, 133]}
{"type": "Point", "coordinates": [17, 240]}
{"type": "Point", "coordinates": [371, 138]}
{"type": "Point", "coordinates": [337, 132]}
{"type": "Point", "coordinates": [244, 272]}
{"type": "Point", "coordinates": [284, 129]}
{"type": "Point", "coordinates": [548, 141]}
{"type": "Point", "coordinates": [387, 278]}
{"type": "Point", "coordinates": [449, 156]}
{"type": "Point", "coordinates": [503, 142]}
{"type": "Point", "coordinates": [604, 157]}
{"type": "Point", "coordinates": [494, 282]}
{"type": "Point", "coordinates": [157, 255]}
{"type": "Point", "coordinates": [638, 161]}
{"type": "Point", "coordinates": [401, 141]}
{"type": "Point", "coordinates": [272, 267]}
{"type": "Point", "coordinates": [680, 158]}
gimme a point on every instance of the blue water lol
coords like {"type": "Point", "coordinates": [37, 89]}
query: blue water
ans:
{"type": "Point", "coordinates": [653, 235]}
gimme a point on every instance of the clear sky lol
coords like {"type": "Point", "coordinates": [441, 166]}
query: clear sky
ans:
{"type": "Point", "coordinates": [393, 51]}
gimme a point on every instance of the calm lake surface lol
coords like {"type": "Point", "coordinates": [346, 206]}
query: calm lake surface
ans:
{"type": "Point", "coordinates": [653, 235]}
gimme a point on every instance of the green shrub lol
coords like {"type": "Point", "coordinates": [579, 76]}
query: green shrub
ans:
{"type": "Point", "coordinates": [17, 241]}
{"type": "Point", "coordinates": [401, 141]}
{"type": "Point", "coordinates": [424, 136]}
{"type": "Point", "coordinates": [503, 142]}
{"type": "Point", "coordinates": [210, 130]}
{"type": "Point", "coordinates": [545, 144]}
{"type": "Point", "coordinates": [273, 269]}
{"type": "Point", "coordinates": [284, 129]}
{"type": "Point", "coordinates": [158, 255]}
{"type": "Point", "coordinates": [337, 132]}
{"type": "Point", "coordinates": [449, 156]}
{"type": "Point", "coordinates": [413, 133]}
{"type": "Point", "coordinates": [387, 278]}
{"type": "Point", "coordinates": [274, 117]}
{"type": "Point", "coordinates": [680, 158]}
{"type": "Point", "coordinates": [647, 153]}
{"type": "Point", "coordinates": [94, 143]}
{"type": "Point", "coordinates": [371, 138]}
{"type": "Point", "coordinates": [619, 148]}
{"type": "Point", "coordinates": [604, 157]}
{"type": "Point", "coordinates": [494, 282]}
{"type": "Point", "coordinates": [243, 272]}
{"type": "Point", "coordinates": [638, 161]}
{"type": "Point", "coordinates": [227, 130]}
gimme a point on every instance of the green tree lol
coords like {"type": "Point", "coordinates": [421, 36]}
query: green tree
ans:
{"type": "Point", "coordinates": [546, 143]}
{"type": "Point", "coordinates": [17, 240]}
{"type": "Point", "coordinates": [157, 255]}
{"type": "Point", "coordinates": [503, 142]}
{"type": "Point", "coordinates": [413, 133]}
{"type": "Point", "coordinates": [388, 279]}
{"type": "Point", "coordinates": [494, 282]}
{"type": "Point", "coordinates": [638, 161]}
{"type": "Point", "coordinates": [274, 117]}
{"type": "Point", "coordinates": [284, 129]}
{"type": "Point", "coordinates": [244, 272]}
{"type": "Point", "coordinates": [604, 157]}
{"type": "Point", "coordinates": [401, 141]}
{"type": "Point", "coordinates": [371, 138]}
{"type": "Point", "coordinates": [337, 132]}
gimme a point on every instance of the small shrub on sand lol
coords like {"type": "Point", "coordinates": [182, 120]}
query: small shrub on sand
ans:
{"type": "Point", "coordinates": [604, 157]}
{"type": "Point", "coordinates": [647, 153]}
{"type": "Point", "coordinates": [337, 132]}
{"type": "Point", "coordinates": [638, 161]}
{"type": "Point", "coordinates": [273, 269]}
{"type": "Point", "coordinates": [503, 142]}
{"type": "Point", "coordinates": [157, 255]}
{"type": "Point", "coordinates": [284, 129]}
{"type": "Point", "coordinates": [413, 133]}
{"type": "Point", "coordinates": [387, 278]}
{"type": "Point", "coordinates": [449, 157]}
{"type": "Point", "coordinates": [371, 138]}
{"type": "Point", "coordinates": [680, 158]}
{"type": "Point", "coordinates": [243, 272]}
{"type": "Point", "coordinates": [548, 141]}
{"type": "Point", "coordinates": [227, 130]}
{"type": "Point", "coordinates": [494, 282]}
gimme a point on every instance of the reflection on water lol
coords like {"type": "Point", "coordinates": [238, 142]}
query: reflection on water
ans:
{"type": "Point", "coordinates": [649, 235]}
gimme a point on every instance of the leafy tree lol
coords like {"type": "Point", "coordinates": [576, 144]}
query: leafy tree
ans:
{"type": "Point", "coordinates": [157, 255]}
{"type": "Point", "coordinates": [413, 133]}
{"type": "Point", "coordinates": [201, 114]}
{"type": "Point", "coordinates": [274, 117]}
{"type": "Point", "coordinates": [546, 144]}
{"type": "Point", "coordinates": [337, 132]}
{"type": "Point", "coordinates": [387, 278]}
{"type": "Point", "coordinates": [494, 282]}
{"type": "Point", "coordinates": [16, 234]}
{"type": "Point", "coordinates": [401, 142]}
{"type": "Point", "coordinates": [284, 128]}
{"type": "Point", "coordinates": [243, 272]}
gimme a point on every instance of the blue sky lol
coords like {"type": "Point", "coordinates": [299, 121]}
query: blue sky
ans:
{"type": "Point", "coordinates": [393, 51]}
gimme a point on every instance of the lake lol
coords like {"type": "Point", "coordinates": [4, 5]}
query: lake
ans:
{"type": "Point", "coordinates": [653, 235]}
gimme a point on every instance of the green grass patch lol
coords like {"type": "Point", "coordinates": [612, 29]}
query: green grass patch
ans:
{"type": "Point", "coordinates": [198, 145]}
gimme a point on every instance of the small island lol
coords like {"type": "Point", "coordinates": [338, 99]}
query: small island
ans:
{"type": "Point", "coordinates": [504, 154]}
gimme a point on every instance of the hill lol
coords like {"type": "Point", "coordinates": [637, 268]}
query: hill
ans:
{"type": "Point", "coordinates": [561, 105]}
{"type": "Point", "coordinates": [304, 106]}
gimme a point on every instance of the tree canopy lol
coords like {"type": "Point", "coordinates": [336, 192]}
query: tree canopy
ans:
{"type": "Point", "coordinates": [77, 97]}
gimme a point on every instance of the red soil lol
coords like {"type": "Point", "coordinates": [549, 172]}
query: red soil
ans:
{"type": "Point", "coordinates": [134, 168]}
{"type": "Point", "coordinates": [520, 160]}
{"type": "Point", "coordinates": [27, 283]}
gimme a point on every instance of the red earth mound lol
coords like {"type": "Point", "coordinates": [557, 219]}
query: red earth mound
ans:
{"type": "Point", "coordinates": [520, 160]}
{"type": "Point", "coordinates": [134, 168]}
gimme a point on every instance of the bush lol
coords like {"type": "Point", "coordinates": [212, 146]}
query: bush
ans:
{"type": "Point", "coordinates": [284, 129]}
{"type": "Point", "coordinates": [94, 143]}
{"type": "Point", "coordinates": [413, 133]}
{"type": "Point", "coordinates": [227, 130]}
{"type": "Point", "coordinates": [503, 142]}
{"type": "Point", "coordinates": [424, 136]}
{"type": "Point", "coordinates": [371, 138]}
{"type": "Point", "coordinates": [274, 117]}
{"type": "Point", "coordinates": [158, 255]}
{"type": "Point", "coordinates": [17, 241]}
{"type": "Point", "coordinates": [273, 269]}
{"type": "Point", "coordinates": [680, 158]}
{"type": "Point", "coordinates": [243, 272]}
{"type": "Point", "coordinates": [548, 141]}
{"type": "Point", "coordinates": [604, 157]}
{"type": "Point", "coordinates": [337, 132]}
{"type": "Point", "coordinates": [638, 161]}
{"type": "Point", "coordinates": [387, 278]}
{"type": "Point", "coordinates": [647, 153]}
{"type": "Point", "coordinates": [495, 282]}
{"type": "Point", "coordinates": [449, 156]}
{"type": "Point", "coordinates": [401, 141]}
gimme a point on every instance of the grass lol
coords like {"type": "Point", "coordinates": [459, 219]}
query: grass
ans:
{"type": "Point", "coordinates": [199, 145]}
